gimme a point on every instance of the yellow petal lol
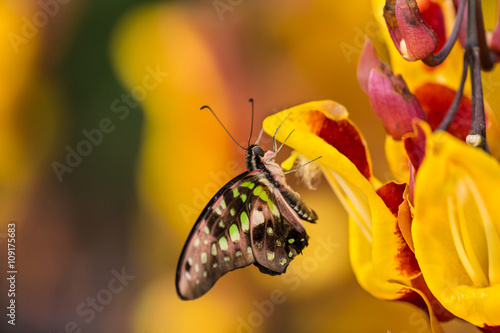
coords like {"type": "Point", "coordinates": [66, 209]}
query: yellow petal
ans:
{"type": "Point", "coordinates": [397, 159]}
{"type": "Point", "coordinates": [322, 129]}
{"type": "Point", "coordinates": [360, 252]}
{"type": "Point", "coordinates": [290, 161]}
{"type": "Point", "coordinates": [456, 230]}
{"type": "Point", "coordinates": [307, 121]}
{"type": "Point", "coordinates": [411, 149]}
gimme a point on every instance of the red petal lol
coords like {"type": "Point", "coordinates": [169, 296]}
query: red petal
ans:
{"type": "Point", "coordinates": [436, 99]}
{"type": "Point", "coordinates": [343, 136]}
{"type": "Point", "coordinates": [415, 146]}
{"type": "Point", "coordinates": [490, 329]}
{"type": "Point", "coordinates": [392, 195]}
{"type": "Point", "coordinates": [433, 15]}
{"type": "Point", "coordinates": [437, 308]}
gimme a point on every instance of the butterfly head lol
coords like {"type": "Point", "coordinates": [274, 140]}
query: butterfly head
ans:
{"type": "Point", "coordinates": [254, 155]}
{"type": "Point", "coordinates": [255, 150]}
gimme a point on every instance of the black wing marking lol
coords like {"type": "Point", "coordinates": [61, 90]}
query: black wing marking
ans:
{"type": "Point", "coordinates": [220, 239]}
{"type": "Point", "coordinates": [277, 231]}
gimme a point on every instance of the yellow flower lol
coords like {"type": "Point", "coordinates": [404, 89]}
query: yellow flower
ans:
{"type": "Point", "coordinates": [379, 215]}
{"type": "Point", "coordinates": [456, 229]}
{"type": "Point", "coordinates": [450, 253]}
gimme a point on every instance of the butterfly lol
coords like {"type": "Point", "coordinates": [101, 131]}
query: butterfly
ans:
{"type": "Point", "coordinates": [254, 219]}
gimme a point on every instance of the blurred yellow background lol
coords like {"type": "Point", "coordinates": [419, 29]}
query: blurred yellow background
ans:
{"type": "Point", "coordinates": [107, 160]}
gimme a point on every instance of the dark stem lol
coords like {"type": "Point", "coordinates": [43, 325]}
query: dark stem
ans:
{"type": "Point", "coordinates": [477, 135]}
{"type": "Point", "coordinates": [436, 59]}
{"type": "Point", "coordinates": [452, 111]}
{"type": "Point", "coordinates": [487, 56]}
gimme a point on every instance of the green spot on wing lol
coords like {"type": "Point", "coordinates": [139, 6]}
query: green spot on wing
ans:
{"type": "Point", "coordinates": [232, 211]}
{"type": "Point", "coordinates": [257, 190]}
{"type": "Point", "coordinates": [263, 195]}
{"type": "Point", "coordinates": [245, 223]}
{"type": "Point", "coordinates": [291, 240]}
{"type": "Point", "coordinates": [234, 233]}
{"type": "Point", "coordinates": [273, 208]}
{"type": "Point", "coordinates": [235, 192]}
{"type": "Point", "coordinates": [223, 204]}
{"type": "Point", "coordinates": [250, 185]}
{"type": "Point", "coordinates": [218, 211]}
{"type": "Point", "coordinates": [223, 243]}
{"type": "Point", "coordinates": [243, 197]}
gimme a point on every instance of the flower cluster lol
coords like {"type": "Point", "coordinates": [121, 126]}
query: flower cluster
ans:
{"type": "Point", "coordinates": [432, 236]}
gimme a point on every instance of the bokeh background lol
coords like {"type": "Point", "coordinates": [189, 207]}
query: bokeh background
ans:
{"type": "Point", "coordinates": [106, 160]}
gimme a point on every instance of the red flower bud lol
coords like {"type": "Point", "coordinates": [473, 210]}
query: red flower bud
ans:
{"type": "Point", "coordinates": [393, 102]}
{"type": "Point", "coordinates": [413, 38]}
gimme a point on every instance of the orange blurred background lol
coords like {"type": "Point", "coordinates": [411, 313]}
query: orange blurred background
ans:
{"type": "Point", "coordinates": [107, 160]}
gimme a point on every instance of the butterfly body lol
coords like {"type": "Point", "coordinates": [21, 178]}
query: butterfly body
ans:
{"type": "Point", "coordinates": [254, 219]}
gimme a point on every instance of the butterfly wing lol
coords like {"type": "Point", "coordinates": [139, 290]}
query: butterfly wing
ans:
{"type": "Point", "coordinates": [247, 221]}
{"type": "Point", "coordinates": [277, 232]}
{"type": "Point", "coordinates": [220, 239]}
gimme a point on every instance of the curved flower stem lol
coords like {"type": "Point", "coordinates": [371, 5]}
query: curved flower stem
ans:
{"type": "Point", "coordinates": [487, 56]}
{"type": "Point", "coordinates": [477, 135]}
{"type": "Point", "coordinates": [452, 111]}
{"type": "Point", "coordinates": [436, 59]}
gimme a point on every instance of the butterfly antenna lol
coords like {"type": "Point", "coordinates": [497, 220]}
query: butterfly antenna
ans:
{"type": "Point", "coordinates": [251, 126]}
{"type": "Point", "coordinates": [297, 168]}
{"type": "Point", "coordinates": [224, 127]}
